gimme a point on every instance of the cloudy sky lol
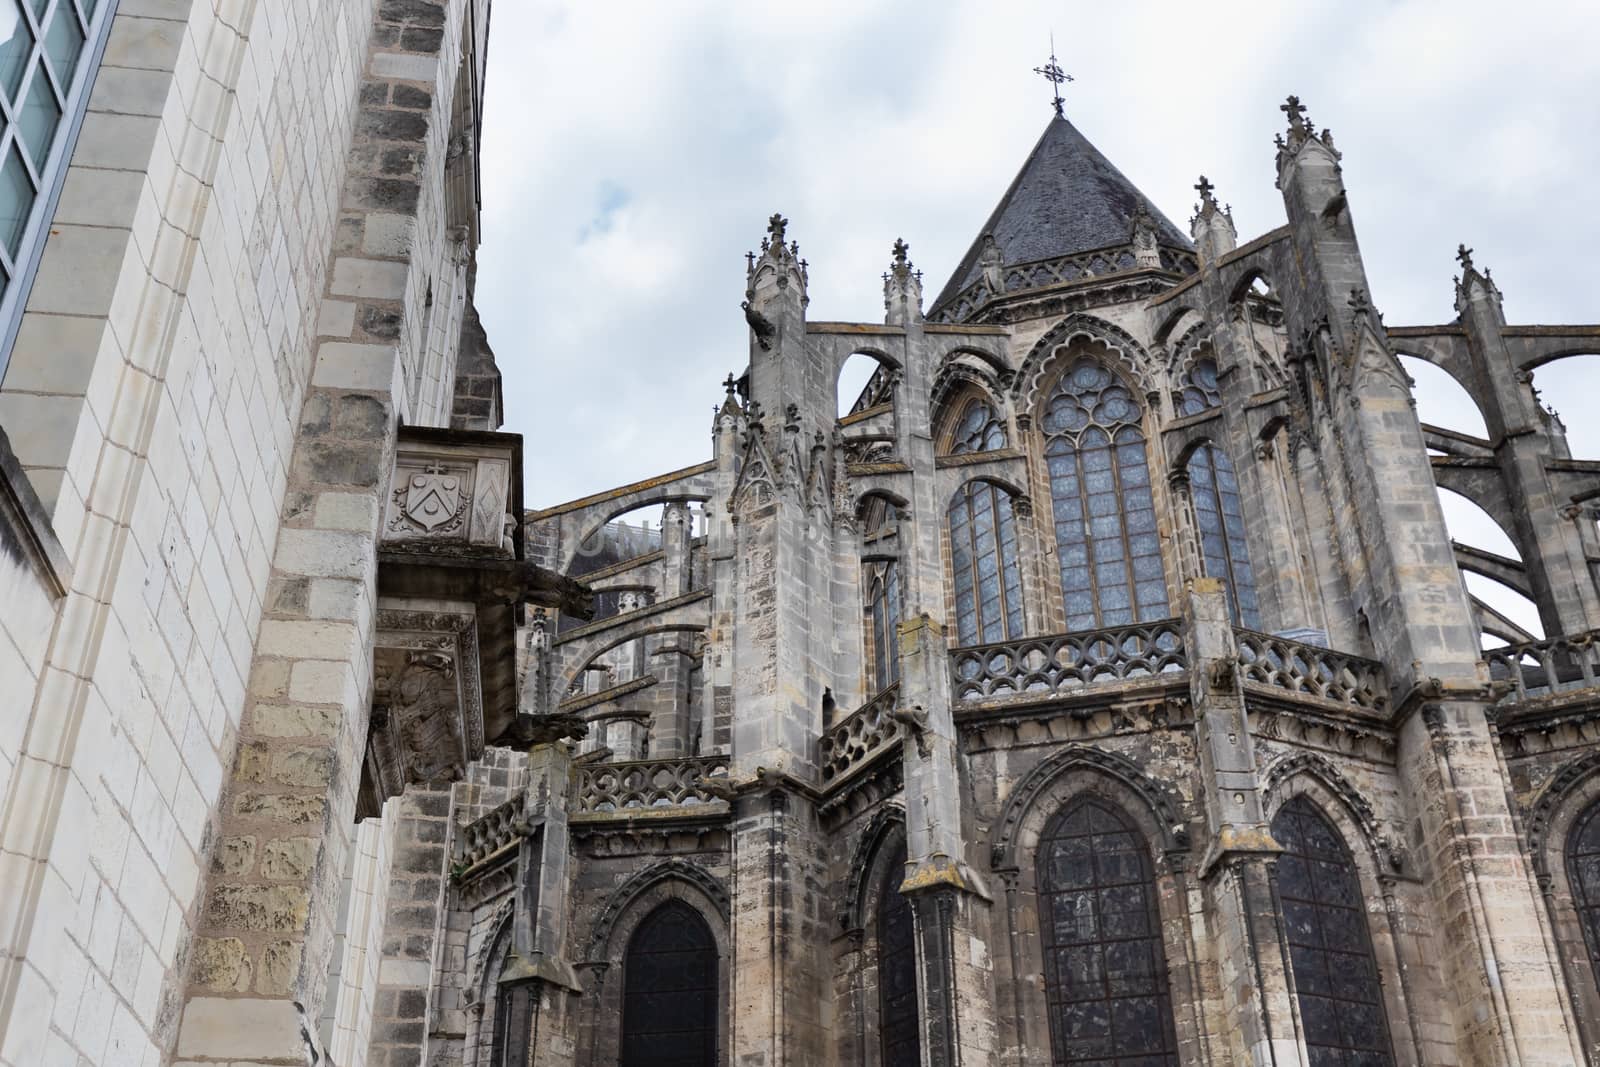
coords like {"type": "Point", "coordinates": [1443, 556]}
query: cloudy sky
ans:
{"type": "Point", "coordinates": [634, 150]}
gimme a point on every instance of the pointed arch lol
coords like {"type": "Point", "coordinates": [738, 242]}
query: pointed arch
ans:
{"type": "Point", "coordinates": [985, 563]}
{"type": "Point", "coordinates": [1330, 945]}
{"type": "Point", "coordinates": [1043, 364]}
{"type": "Point", "coordinates": [1141, 796]}
{"type": "Point", "coordinates": [669, 998]}
{"type": "Point", "coordinates": [885, 823]}
{"type": "Point", "coordinates": [969, 420]}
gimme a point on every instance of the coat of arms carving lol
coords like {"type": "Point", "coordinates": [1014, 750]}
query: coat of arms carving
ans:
{"type": "Point", "coordinates": [433, 500]}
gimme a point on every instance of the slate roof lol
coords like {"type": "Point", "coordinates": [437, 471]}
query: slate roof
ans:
{"type": "Point", "coordinates": [1066, 199]}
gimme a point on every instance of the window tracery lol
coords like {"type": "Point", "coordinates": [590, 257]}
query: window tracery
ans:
{"type": "Point", "coordinates": [669, 1002]}
{"type": "Point", "coordinates": [898, 1024]}
{"type": "Point", "coordinates": [1105, 520]}
{"type": "Point", "coordinates": [983, 562]}
{"type": "Point", "coordinates": [977, 429]}
{"type": "Point", "coordinates": [1330, 948]}
{"type": "Point", "coordinates": [1214, 490]}
{"type": "Point", "coordinates": [1198, 391]}
{"type": "Point", "coordinates": [1105, 969]}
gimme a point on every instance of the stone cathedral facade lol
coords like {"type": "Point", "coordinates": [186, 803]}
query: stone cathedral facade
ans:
{"type": "Point", "coordinates": [1099, 688]}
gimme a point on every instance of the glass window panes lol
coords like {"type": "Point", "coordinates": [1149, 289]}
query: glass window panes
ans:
{"type": "Point", "coordinates": [983, 562]}
{"type": "Point", "coordinates": [64, 43]}
{"type": "Point", "coordinates": [669, 999]}
{"type": "Point", "coordinates": [1198, 391]}
{"type": "Point", "coordinates": [1106, 541]}
{"type": "Point", "coordinates": [40, 117]}
{"type": "Point", "coordinates": [16, 43]}
{"type": "Point", "coordinates": [1583, 874]}
{"type": "Point", "coordinates": [1214, 491]}
{"type": "Point", "coordinates": [1105, 968]}
{"type": "Point", "coordinates": [977, 430]}
{"type": "Point", "coordinates": [1330, 951]}
{"type": "Point", "coordinates": [897, 970]}
{"type": "Point", "coordinates": [16, 201]}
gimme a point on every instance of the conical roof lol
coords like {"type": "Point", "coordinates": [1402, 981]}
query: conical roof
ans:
{"type": "Point", "coordinates": [1066, 199]}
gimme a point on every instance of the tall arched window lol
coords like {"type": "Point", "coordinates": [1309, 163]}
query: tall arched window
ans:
{"type": "Point", "coordinates": [983, 560]}
{"type": "Point", "coordinates": [669, 1001]}
{"type": "Point", "coordinates": [1215, 492]}
{"type": "Point", "coordinates": [880, 573]}
{"type": "Point", "coordinates": [1105, 517]}
{"type": "Point", "coordinates": [1104, 968]}
{"type": "Point", "coordinates": [1583, 872]}
{"type": "Point", "coordinates": [977, 429]}
{"type": "Point", "coordinates": [897, 970]}
{"type": "Point", "coordinates": [1330, 949]}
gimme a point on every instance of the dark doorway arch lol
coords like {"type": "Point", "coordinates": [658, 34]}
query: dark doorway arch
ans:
{"type": "Point", "coordinates": [669, 1000]}
{"type": "Point", "coordinates": [897, 969]}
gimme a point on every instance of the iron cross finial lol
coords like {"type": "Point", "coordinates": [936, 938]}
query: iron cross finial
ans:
{"type": "Point", "coordinates": [1295, 110]}
{"type": "Point", "coordinates": [901, 250]}
{"type": "Point", "coordinates": [1204, 187]}
{"type": "Point", "coordinates": [1052, 73]}
{"type": "Point", "coordinates": [730, 384]}
{"type": "Point", "coordinates": [1464, 256]}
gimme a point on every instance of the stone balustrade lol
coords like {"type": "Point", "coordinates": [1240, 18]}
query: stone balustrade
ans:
{"type": "Point", "coordinates": [489, 833]}
{"type": "Point", "coordinates": [859, 736]}
{"type": "Point", "coordinates": [1065, 663]}
{"type": "Point", "coordinates": [1319, 672]}
{"type": "Point", "coordinates": [641, 784]}
{"type": "Point", "coordinates": [1554, 665]}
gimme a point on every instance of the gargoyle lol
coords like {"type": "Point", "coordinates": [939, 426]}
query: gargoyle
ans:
{"type": "Point", "coordinates": [915, 719]}
{"type": "Point", "coordinates": [719, 786]}
{"type": "Point", "coordinates": [761, 325]}
{"type": "Point", "coordinates": [546, 729]}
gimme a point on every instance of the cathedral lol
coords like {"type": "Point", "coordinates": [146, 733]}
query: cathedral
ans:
{"type": "Point", "coordinates": [1096, 687]}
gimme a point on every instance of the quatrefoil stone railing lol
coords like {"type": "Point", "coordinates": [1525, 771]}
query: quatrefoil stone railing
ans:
{"type": "Point", "coordinates": [1065, 663]}
{"type": "Point", "coordinates": [639, 784]}
{"type": "Point", "coordinates": [858, 737]}
{"type": "Point", "coordinates": [1337, 677]}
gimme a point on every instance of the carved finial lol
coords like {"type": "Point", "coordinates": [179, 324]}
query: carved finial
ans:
{"type": "Point", "coordinates": [775, 228]}
{"type": "Point", "coordinates": [1296, 112]}
{"type": "Point", "coordinates": [901, 251]}
{"type": "Point", "coordinates": [730, 384]}
{"type": "Point", "coordinates": [1204, 188]}
{"type": "Point", "coordinates": [1052, 73]}
{"type": "Point", "coordinates": [1464, 256]}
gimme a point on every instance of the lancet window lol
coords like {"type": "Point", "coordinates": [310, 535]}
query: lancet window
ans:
{"type": "Point", "coordinates": [1214, 489]}
{"type": "Point", "coordinates": [1105, 518]}
{"type": "Point", "coordinates": [1583, 872]}
{"type": "Point", "coordinates": [513, 1026]}
{"type": "Point", "coordinates": [1104, 967]}
{"type": "Point", "coordinates": [1330, 949]}
{"type": "Point", "coordinates": [897, 970]}
{"type": "Point", "coordinates": [977, 429]}
{"type": "Point", "coordinates": [881, 575]}
{"type": "Point", "coordinates": [669, 1003]}
{"type": "Point", "coordinates": [983, 562]}
{"type": "Point", "coordinates": [1198, 391]}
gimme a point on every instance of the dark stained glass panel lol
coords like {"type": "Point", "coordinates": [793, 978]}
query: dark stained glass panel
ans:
{"type": "Point", "coordinates": [983, 559]}
{"type": "Point", "coordinates": [513, 1027]}
{"type": "Point", "coordinates": [1215, 491]}
{"type": "Point", "coordinates": [1105, 519]}
{"type": "Point", "coordinates": [1583, 871]}
{"type": "Point", "coordinates": [1199, 390]}
{"type": "Point", "coordinates": [897, 971]}
{"type": "Point", "coordinates": [1104, 968]}
{"type": "Point", "coordinates": [669, 1001]}
{"type": "Point", "coordinates": [1325, 920]}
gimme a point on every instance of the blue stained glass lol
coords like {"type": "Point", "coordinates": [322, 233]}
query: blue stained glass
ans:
{"type": "Point", "coordinates": [1114, 596]}
{"type": "Point", "coordinates": [1100, 481]}
{"type": "Point", "coordinates": [1134, 475]}
{"type": "Point", "coordinates": [1144, 544]}
{"type": "Point", "coordinates": [1075, 577]}
{"type": "Point", "coordinates": [1147, 567]}
{"type": "Point", "coordinates": [1107, 526]}
{"type": "Point", "coordinates": [1138, 498]}
{"type": "Point", "coordinates": [1108, 549]}
{"type": "Point", "coordinates": [1208, 520]}
{"type": "Point", "coordinates": [1141, 521]}
{"type": "Point", "coordinates": [1103, 504]}
{"type": "Point", "coordinates": [1075, 553]}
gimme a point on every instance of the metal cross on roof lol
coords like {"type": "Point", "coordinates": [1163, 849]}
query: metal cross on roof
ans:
{"type": "Point", "coordinates": [1052, 73]}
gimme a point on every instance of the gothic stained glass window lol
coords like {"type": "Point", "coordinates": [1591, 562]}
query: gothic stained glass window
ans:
{"type": "Point", "coordinates": [897, 971]}
{"type": "Point", "coordinates": [513, 1026]}
{"type": "Point", "coordinates": [1199, 390]}
{"type": "Point", "coordinates": [1105, 516]}
{"type": "Point", "coordinates": [977, 430]}
{"type": "Point", "coordinates": [1105, 971]}
{"type": "Point", "coordinates": [669, 999]}
{"type": "Point", "coordinates": [983, 560]}
{"type": "Point", "coordinates": [1583, 872]}
{"type": "Point", "coordinates": [1335, 975]}
{"type": "Point", "coordinates": [1215, 492]}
